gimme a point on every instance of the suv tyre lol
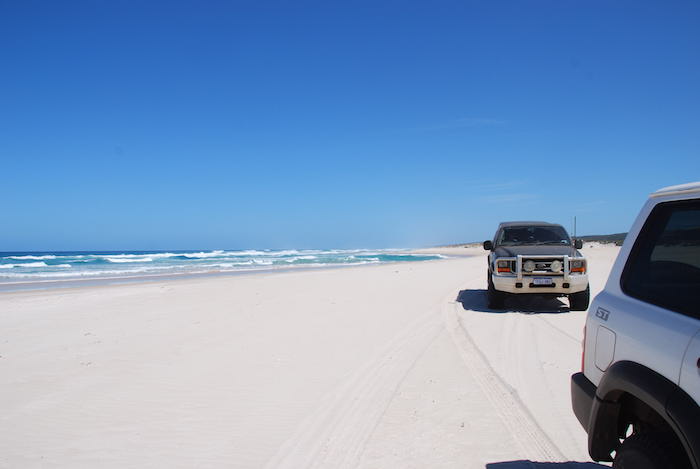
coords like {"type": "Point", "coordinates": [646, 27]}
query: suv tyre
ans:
{"type": "Point", "coordinates": [646, 451]}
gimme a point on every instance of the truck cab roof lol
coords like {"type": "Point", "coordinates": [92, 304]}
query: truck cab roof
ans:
{"type": "Point", "coordinates": [506, 224]}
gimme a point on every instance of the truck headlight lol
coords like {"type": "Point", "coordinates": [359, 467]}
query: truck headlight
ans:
{"type": "Point", "coordinates": [503, 266]}
{"type": "Point", "coordinates": [578, 266]}
{"type": "Point", "coordinates": [555, 266]}
{"type": "Point", "coordinates": [529, 266]}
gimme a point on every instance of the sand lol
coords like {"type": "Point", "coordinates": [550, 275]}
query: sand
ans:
{"type": "Point", "coordinates": [397, 365]}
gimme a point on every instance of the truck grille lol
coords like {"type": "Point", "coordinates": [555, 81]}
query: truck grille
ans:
{"type": "Point", "coordinates": [543, 266]}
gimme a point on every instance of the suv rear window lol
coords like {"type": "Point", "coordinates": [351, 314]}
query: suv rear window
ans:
{"type": "Point", "coordinates": [664, 264]}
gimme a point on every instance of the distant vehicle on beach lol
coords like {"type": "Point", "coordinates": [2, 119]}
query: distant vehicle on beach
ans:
{"type": "Point", "coordinates": [638, 391]}
{"type": "Point", "coordinates": [536, 258]}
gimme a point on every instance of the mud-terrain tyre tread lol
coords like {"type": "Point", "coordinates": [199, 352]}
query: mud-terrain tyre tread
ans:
{"type": "Point", "coordinates": [581, 300]}
{"type": "Point", "coordinates": [494, 297]}
{"type": "Point", "coordinates": [647, 451]}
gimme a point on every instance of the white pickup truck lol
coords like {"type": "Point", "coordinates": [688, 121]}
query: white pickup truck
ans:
{"type": "Point", "coordinates": [638, 392]}
{"type": "Point", "coordinates": [536, 258]}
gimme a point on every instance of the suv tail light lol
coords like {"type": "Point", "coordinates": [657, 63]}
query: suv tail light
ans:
{"type": "Point", "coordinates": [583, 353]}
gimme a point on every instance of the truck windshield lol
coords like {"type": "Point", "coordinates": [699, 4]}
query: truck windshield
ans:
{"type": "Point", "coordinates": [517, 235]}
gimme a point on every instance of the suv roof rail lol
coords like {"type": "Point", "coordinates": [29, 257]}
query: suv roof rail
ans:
{"type": "Point", "coordinates": [678, 189]}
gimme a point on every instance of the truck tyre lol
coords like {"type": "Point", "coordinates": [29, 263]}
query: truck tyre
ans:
{"type": "Point", "coordinates": [645, 451]}
{"type": "Point", "coordinates": [580, 301]}
{"type": "Point", "coordinates": [495, 297]}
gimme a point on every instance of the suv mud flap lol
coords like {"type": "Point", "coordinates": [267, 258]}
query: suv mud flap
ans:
{"type": "Point", "coordinates": [582, 396]}
{"type": "Point", "coordinates": [602, 433]}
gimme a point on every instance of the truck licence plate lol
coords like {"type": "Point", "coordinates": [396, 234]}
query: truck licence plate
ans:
{"type": "Point", "coordinates": [542, 281]}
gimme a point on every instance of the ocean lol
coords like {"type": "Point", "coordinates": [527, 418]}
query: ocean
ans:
{"type": "Point", "coordinates": [54, 267]}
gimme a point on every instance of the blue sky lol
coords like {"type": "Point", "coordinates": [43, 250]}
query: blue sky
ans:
{"type": "Point", "coordinates": [327, 124]}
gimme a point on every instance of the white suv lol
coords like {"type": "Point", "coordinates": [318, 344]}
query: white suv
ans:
{"type": "Point", "coordinates": [638, 393]}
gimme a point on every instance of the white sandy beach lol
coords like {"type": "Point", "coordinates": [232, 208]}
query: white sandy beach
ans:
{"type": "Point", "coordinates": [387, 366]}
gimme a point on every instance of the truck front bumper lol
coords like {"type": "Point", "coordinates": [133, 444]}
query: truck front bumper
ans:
{"type": "Point", "coordinates": [560, 285]}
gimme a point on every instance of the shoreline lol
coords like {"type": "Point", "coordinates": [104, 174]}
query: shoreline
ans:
{"type": "Point", "coordinates": [80, 283]}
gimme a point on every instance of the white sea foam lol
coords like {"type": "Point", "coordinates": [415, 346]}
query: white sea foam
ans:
{"type": "Point", "coordinates": [250, 252]}
{"type": "Point", "coordinates": [299, 258]}
{"type": "Point", "coordinates": [85, 273]}
{"type": "Point", "coordinates": [262, 262]}
{"type": "Point", "coordinates": [227, 265]}
{"type": "Point", "coordinates": [289, 252]}
{"type": "Point", "coordinates": [31, 258]}
{"type": "Point", "coordinates": [122, 260]}
{"type": "Point", "coordinates": [203, 254]}
{"type": "Point", "coordinates": [156, 255]}
{"type": "Point", "coordinates": [26, 264]}
{"type": "Point", "coordinates": [247, 253]}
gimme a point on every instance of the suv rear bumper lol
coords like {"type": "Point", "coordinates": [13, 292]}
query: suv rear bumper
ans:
{"type": "Point", "coordinates": [582, 396]}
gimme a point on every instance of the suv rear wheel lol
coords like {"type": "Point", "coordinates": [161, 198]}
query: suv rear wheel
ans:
{"type": "Point", "coordinates": [646, 451]}
{"type": "Point", "coordinates": [579, 301]}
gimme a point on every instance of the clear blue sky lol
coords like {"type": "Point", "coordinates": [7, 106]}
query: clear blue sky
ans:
{"type": "Point", "coordinates": [337, 124]}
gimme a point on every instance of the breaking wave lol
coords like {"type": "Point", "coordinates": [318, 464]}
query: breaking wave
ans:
{"type": "Point", "coordinates": [28, 266]}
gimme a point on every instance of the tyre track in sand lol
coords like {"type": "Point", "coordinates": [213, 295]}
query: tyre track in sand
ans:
{"type": "Point", "coordinates": [335, 433]}
{"type": "Point", "coordinates": [532, 441]}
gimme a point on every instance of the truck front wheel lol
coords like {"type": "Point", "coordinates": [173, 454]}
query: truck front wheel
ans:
{"type": "Point", "coordinates": [495, 297]}
{"type": "Point", "coordinates": [579, 301]}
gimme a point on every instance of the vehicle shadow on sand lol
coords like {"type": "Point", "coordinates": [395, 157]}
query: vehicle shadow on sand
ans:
{"type": "Point", "coordinates": [523, 464]}
{"type": "Point", "coordinates": [475, 300]}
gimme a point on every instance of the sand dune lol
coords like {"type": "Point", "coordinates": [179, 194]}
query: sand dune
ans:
{"type": "Point", "coordinates": [377, 366]}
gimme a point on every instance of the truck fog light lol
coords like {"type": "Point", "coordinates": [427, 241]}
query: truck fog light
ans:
{"type": "Point", "coordinates": [529, 266]}
{"type": "Point", "coordinates": [555, 266]}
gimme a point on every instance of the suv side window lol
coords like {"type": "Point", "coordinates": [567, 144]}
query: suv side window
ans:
{"type": "Point", "coordinates": [664, 265]}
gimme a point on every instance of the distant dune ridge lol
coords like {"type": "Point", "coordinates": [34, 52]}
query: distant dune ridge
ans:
{"type": "Point", "coordinates": [615, 238]}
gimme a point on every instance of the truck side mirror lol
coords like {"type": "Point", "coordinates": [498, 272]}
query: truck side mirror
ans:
{"type": "Point", "coordinates": [488, 245]}
{"type": "Point", "coordinates": [578, 244]}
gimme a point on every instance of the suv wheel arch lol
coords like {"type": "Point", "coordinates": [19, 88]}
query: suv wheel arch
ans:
{"type": "Point", "coordinates": [628, 390]}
